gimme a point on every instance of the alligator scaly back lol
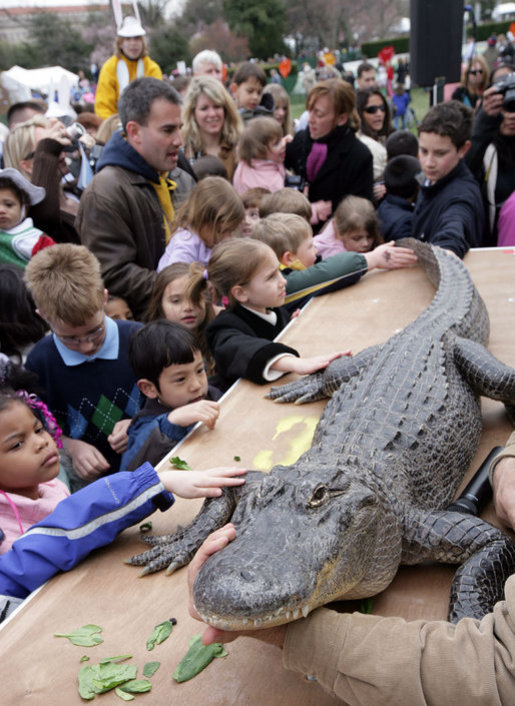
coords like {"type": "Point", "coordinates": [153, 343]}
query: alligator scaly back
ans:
{"type": "Point", "coordinates": [388, 455]}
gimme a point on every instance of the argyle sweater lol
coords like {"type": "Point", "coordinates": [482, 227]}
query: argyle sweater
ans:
{"type": "Point", "coordinates": [88, 399]}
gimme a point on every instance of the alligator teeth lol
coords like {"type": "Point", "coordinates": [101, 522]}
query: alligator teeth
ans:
{"type": "Point", "coordinates": [295, 614]}
{"type": "Point", "coordinates": [287, 615]}
{"type": "Point", "coordinates": [257, 622]}
{"type": "Point", "coordinates": [305, 611]}
{"type": "Point", "coordinates": [279, 611]}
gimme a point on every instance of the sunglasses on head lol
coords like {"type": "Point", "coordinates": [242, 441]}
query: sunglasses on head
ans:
{"type": "Point", "coordinates": [474, 72]}
{"type": "Point", "coordinates": [374, 108]}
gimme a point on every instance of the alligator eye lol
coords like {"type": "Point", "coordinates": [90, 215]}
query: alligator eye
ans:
{"type": "Point", "coordinates": [319, 496]}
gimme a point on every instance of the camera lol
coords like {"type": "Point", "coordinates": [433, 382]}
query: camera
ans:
{"type": "Point", "coordinates": [295, 181]}
{"type": "Point", "coordinates": [506, 86]}
{"type": "Point", "coordinates": [74, 132]}
{"type": "Point", "coordinates": [94, 155]}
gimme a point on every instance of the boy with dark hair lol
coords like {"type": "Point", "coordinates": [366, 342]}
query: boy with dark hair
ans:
{"type": "Point", "coordinates": [449, 210]}
{"type": "Point", "coordinates": [395, 212]}
{"type": "Point", "coordinates": [247, 87]}
{"type": "Point", "coordinates": [401, 142]}
{"type": "Point", "coordinates": [171, 374]}
{"type": "Point", "coordinates": [366, 76]}
{"type": "Point", "coordinates": [83, 366]}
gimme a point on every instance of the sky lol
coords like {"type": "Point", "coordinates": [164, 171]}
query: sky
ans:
{"type": "Point", "coordinates": [54, 3]}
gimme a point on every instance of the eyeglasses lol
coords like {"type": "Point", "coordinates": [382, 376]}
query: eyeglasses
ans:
{"type": "Point", "coordinates": [371, 109]}
{"type": "Point", "coordinates": [75, 341]}
{"type": "Point", "coordinates": [474, 72]}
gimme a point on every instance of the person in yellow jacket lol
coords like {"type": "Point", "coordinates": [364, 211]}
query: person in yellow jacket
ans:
{"type": "Point", "coordinates": [129, 62]}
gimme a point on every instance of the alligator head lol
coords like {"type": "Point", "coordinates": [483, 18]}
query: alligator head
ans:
{"type": "Point", "coordinates": [324, 537]}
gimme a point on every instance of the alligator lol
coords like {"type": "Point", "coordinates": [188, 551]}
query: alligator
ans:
{"type": "Point", "coordinates": [388, 455]}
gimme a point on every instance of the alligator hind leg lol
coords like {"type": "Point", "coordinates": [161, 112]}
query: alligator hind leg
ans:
{"type": "Point", "coordinates": [485, 374]}
{"type": "Point", "coordinates": [479, 583]}
{"type": "Point", "coordinates": [488, 557]}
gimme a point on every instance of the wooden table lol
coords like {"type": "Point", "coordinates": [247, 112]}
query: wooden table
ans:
{"type": "Point", "coordinates": [37, 668]}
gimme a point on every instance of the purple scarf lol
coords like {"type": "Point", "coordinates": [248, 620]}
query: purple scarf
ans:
{"type": "Point", "coordinates": [315, 160]}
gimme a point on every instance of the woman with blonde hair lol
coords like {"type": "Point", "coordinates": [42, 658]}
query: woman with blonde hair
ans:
{"type": "Point", "coordinates": [211, 122]}
{"type": "Point", "coordinates": [129, 61]}
{"type": "Point", "coordinates": [327, 154]}
{"type": "Point", "coordinates": [474, 80]}
{"type": "Point", "coordinates": [35, 148]}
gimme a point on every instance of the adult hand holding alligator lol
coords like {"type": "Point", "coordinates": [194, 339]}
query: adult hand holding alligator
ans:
{"type": "Point", "coordinates": [502, 477]}
{"type": "Point", "coordinates": [368, 660]}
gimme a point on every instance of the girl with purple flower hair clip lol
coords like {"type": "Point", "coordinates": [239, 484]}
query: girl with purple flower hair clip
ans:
{"type": "Point", "coordinates": [29, 455]}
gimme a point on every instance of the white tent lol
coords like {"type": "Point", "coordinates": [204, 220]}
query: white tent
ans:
{"type": "Point", "coordinates": [503, 11]}
{"type": "Point", "coordinates": [39, 79]}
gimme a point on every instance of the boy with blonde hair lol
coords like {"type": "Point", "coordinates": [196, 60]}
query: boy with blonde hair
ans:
{"type": "Point", "coordinates": [83, 366]}
{"type": "Point", "coordinates": [291, 238]}
{"type": "Point", "coordinates": [286, 200]}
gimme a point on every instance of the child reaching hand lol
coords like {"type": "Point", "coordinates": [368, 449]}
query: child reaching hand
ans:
{"type": "Point", "coordinates": [261, 149]}
{"type": "Point", "coordinates": [40, 520]}
{"type": "Point", "coordinates": [29, 464]}
{"type": "Point", "coordinates": [212, 212]}
{"type": "Point", "coordinates": [171, 374]}
{"type": "Point", "coordinates": [241, 338]}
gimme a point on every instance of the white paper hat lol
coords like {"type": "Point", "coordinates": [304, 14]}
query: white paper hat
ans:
{"type": "Point", "coordinates": [35, 193]}
{"type": "Point", "coordinates": [131, 27]}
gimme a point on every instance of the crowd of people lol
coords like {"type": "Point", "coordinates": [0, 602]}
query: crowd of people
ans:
{"type": "Point", "coordinates": [133, 296]}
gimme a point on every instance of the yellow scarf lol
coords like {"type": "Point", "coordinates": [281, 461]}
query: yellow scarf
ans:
{"type": "Point", "coordinates": [163, 191]}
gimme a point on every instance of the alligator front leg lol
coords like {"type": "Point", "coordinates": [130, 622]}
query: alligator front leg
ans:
{"type": "Point", "coordinates": [324, 383]}
{"type": "Point", "coordinates": [485, 374]}
{"type": "Point", "coordinates": [488, 557]}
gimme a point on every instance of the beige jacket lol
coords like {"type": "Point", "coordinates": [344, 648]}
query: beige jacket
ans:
{"type": "Point", "coordinates": [368, 660]}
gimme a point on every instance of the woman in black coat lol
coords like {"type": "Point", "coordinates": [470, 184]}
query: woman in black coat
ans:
{"type": "Point", "coordinates": [327, 154]}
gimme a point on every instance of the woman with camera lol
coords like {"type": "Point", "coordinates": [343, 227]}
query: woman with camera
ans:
{"type": "Point", "coordinates": [327, 154]}
{"type": "Point", "coordinates": [491, 156]}
{"type": "Point", "coordinates": [36, 148]}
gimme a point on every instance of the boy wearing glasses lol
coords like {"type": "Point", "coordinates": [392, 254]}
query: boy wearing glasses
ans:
{"type": "Point", "coordinates": [449, 211]}
{"type": "Point", "coordinates": [83, 364]}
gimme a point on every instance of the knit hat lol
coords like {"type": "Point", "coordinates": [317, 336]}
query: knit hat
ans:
{"type": "Point", "coordinates": [131, 27]}
{"type": "Point", "coordinates": [35, 193]}
{"type": "Point", "coordinates": [399, 175]}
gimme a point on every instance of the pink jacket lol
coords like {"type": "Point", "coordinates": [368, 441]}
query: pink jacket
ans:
{"type": "Point", "coordinates": [29, 511]}
{"type": "Point", "coordinates": [506, 223]}
{"type": "Point", "coordinates": [327, 243]}
{"type": "Point", "coordinates": [261, 172]}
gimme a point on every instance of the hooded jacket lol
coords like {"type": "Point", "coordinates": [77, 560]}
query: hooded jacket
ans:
{"type": "Point", "coordinates": [121, 221]}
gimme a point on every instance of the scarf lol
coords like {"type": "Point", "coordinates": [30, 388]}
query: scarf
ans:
{"type": "Point", "coordinates": [122, 73]}
{"type": "Point", "coordinates": [315, 159]}
{"type": "Point", "coordinates": [163, 190]}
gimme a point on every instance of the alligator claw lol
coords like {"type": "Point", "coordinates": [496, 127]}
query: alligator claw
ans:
{"type": "Point", "coordinates": [307, 389]}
